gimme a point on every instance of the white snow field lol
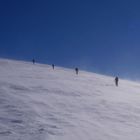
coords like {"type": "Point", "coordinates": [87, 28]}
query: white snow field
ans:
{"type": "Point", "coordinates": [39, 103]}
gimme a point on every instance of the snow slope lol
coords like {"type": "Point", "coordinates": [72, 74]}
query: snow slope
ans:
{"type": "Point", "coordinates": [38, 103]}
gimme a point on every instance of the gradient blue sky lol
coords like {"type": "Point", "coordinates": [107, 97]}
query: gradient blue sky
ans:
{"type": "Point", "coordinates": [96, 35]}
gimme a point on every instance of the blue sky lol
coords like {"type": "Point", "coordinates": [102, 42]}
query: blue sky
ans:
{"type": "Point", "coordinates": [96, 35]}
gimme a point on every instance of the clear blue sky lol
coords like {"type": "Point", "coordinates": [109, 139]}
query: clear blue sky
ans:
{"type": "Point", "coordinates": [96, 35]}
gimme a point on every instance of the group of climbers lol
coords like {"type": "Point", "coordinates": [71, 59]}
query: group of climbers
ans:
{"type": "Point", "coordinates": [77, 71]}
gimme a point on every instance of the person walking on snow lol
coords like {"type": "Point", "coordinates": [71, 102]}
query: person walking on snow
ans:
{"type": "Point", "coordinates": [33, 61]}
{"type": "Point", "coordinates": [53, 66]}
{"type": "Point", "coordinates": [116, 81]}
{"type": "Point", "coordinates": [77, 70]}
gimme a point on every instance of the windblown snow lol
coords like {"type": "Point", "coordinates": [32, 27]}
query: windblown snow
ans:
{"type": "Point", "coordinates": [39, 103]}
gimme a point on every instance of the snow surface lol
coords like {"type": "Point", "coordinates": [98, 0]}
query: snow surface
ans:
{"type": "Point", "coordinates": [39, 103]}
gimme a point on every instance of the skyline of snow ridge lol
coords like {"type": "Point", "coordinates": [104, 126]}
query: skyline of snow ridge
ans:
{"type": "Point", "coordinates": [96, 35]}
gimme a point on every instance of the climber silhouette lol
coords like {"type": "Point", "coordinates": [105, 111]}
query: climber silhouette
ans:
{"type": "Point", "coordinates": [53, 66]}
{"type": "Point", "coordinates": [77, 70]}
{"type": "Point", "coordinates": [116, 81]}
{"type": "Point", "coordinates": [33, 60]}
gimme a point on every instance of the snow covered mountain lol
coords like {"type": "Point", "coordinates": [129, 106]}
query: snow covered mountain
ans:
{"type": "Point", "coordinates": [39, 103]}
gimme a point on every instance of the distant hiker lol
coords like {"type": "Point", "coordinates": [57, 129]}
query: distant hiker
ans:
{"type": "Point", "coordinates": [33, 61]}
{"type": "Point", "coordinates": [53, 66]}
{"type": "Point", "coordinates": [116, 81]}
{"type": "Point", "coordinates": [77, 70]}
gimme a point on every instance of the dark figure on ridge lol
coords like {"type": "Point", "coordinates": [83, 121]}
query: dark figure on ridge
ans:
{"type": "Point", "coordinates": [33, 61]}
{"type": "Point", "coordinates": [116, 81]}
{"type": "Point", "coordinates": [53, 66]}
{"type": "Point", "coordinates": [77, 70]}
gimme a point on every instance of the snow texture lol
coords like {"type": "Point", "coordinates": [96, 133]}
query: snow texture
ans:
{"type": "Point", "coordinates": [39, 103]}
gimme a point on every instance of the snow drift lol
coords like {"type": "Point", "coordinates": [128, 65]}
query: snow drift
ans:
{"type": "Point", "coordinates": [39, 103]}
